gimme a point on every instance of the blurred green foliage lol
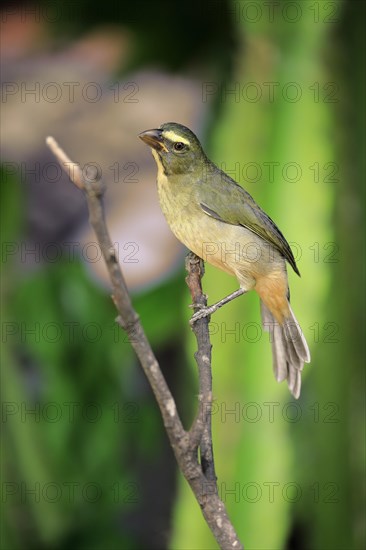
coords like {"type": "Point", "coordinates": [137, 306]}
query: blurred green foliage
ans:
{"type": "Point", "coordinates": [292, 480]}
{"type": "Point", "coordinates": [290, 477]}
{"type": "Point", "coordinates": [77, 414]}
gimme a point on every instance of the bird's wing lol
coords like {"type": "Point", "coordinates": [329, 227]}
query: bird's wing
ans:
{"type": "Point", "coordinates": [226, 201]}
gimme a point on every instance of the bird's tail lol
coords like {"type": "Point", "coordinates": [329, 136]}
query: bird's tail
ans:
{"type": "Point", "coordinates": [289, 348]}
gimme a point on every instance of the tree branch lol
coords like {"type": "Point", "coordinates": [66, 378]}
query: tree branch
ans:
{"type": "Point", "coordinates": [186, 445]}
{"type": "Point", "coordinates": [195, 268]}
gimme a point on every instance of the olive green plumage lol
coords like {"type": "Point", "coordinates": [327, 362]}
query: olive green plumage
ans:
{"type": "Point", "coordinates": [219, 220]}
{"type": "Point", "coordinates": [222, 197]}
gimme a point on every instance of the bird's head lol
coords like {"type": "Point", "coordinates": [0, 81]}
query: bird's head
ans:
{"type": "Point", "coordinates": [176, 147]}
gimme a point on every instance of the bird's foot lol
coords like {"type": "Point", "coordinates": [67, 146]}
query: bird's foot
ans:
{"type": "Point", "coordinates": [204, 311]}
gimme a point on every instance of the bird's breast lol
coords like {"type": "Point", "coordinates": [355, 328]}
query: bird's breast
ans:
{"type": "Point", "coordinates": [232, 248]}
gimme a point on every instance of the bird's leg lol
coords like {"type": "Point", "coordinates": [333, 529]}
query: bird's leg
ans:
{"type": "Point", "coordinates": [207, 310]}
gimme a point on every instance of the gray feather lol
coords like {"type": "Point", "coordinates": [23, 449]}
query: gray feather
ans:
{"type": "Point", "coordinates": [289, 349]}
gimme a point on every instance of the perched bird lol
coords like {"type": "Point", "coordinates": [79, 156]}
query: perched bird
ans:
{"type": "Point", "coordinates": [220, 222]}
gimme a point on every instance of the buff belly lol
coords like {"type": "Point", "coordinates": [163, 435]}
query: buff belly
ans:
{"type": "Point", "coordinates": [232, 248]}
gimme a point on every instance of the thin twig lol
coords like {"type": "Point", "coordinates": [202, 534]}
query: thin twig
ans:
{"type": "Point", "coordinates": [195, 268]}
{"type": "Point", "coordinates": [186, 445]}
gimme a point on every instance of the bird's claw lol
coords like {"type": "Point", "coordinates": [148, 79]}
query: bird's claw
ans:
{"type": "Point", "coordinates": [204, 311]}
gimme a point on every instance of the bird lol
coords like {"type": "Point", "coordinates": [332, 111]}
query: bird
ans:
{"type": "Point", "coordinates": [218, 220]}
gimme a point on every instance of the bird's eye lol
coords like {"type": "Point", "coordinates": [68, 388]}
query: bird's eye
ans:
{"type": "Point", "coordinates": [179, 146]}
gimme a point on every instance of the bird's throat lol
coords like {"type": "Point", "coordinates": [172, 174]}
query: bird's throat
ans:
{"type": "Point", "coordinates": [159, 164]}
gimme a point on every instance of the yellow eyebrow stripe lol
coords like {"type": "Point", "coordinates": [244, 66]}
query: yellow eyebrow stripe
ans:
{"type": "Point", "coordinates": [172, 136]}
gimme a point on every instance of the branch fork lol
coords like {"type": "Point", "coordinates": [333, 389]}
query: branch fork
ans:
{"type": "Point", "coordinates": [193, 449]}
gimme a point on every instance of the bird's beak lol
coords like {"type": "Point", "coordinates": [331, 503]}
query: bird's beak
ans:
{"type": "Point", "coordinates": [154, 139]}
